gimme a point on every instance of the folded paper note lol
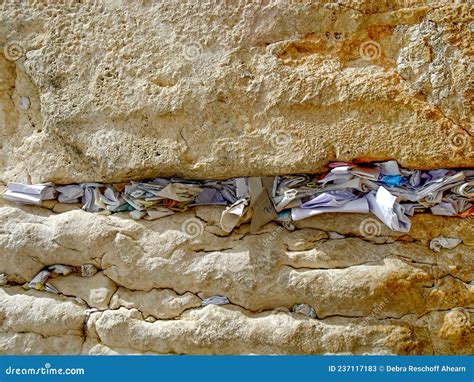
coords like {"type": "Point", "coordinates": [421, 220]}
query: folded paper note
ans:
{"type": "Point", "coordinates": [29, 194]}
{"type": "Point", "coordinates": [386, 190]}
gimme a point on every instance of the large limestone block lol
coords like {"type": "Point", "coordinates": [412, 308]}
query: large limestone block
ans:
{"type": "Point", "coordinates": [39, 312]}
{"type": "Point", "coordinates": [156, 303]}
{"type": "Point", "coordinates": [347, 276]}
{"type": "Point", "coordinates": [31, 238]}
{"type": "Point", "coordinates": [115, 90]}
{"type": "Point", "coordinates": [93, 347]}
{"type": "Point", "coordinates": [374, 291]}
{"type": "Point", "coordinates": [36, 344]}
{"type": "Point", "coordinates": [96, 291]}
{"type": "Point", "coordinates": [218, 89]}
{"type": "Point", "coordinates": [454, 331]}
{"type": "Point", "coordinates": [227, 330]}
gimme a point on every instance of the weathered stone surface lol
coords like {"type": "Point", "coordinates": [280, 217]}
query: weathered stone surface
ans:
{"type": "Point", "coordinates": [44, 314]}
{"type": "Point", "coordinates": [379, 285]}
{"type": "Point", "coordinates": [227, 330]}
{"type": "Point", "coordinates": [218, 89]}
{"type": "Point", "coordinates": [96, 291]}
{"type": "Point", "coordinates": [157, 303]}
{"type": "Point", "coordinates": [215, 89]}
{"type": "Point", "coordinates": [36, 344]}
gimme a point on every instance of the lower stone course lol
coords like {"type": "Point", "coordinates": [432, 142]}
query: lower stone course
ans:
{"type": "Point", "coordinates": [383, 294]}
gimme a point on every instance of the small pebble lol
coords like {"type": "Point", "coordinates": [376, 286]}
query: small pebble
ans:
{"type": "Point", "coordinates": [88, 270]}
{"type": "Point", "coordinates": [334, 235]}
{"type": "Point", "coordinates": [304, 309]}
{"type": "Point", "coordinates": [80, 301]}
{"type": "Point", "coordinates": [3, 279]}
{"type": "Point", "coordinates": [24, 103]}
{"type": "Point", "coordinates": [89, 311]}
{"type": "Point", "coordinates": [135, 313]}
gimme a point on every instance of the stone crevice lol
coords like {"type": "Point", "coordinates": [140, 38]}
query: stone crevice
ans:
{"type": "Point", "coordinates": [249, 90]}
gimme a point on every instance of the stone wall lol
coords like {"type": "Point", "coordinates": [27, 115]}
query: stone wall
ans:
{"type": "Point", "coordinates": [119, 90]}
